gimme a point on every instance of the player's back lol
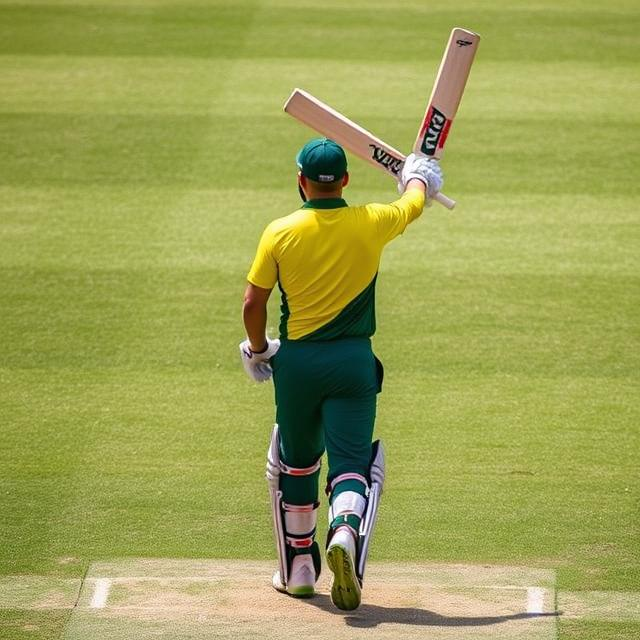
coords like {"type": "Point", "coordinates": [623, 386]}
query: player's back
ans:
{"type": "Point", "coordinates": [327, 255]}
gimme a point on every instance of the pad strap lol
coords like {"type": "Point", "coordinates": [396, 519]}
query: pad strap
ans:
{"type": "Point", "coordinates": [305, 471]}
{"type": "Point", "coordinates": [351, 520]}
{"type": "Point", "coordinates": [346, 476]}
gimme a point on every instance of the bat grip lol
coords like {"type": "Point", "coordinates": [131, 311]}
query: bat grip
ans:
{"type": "Point", "coordinates": [444, 200]}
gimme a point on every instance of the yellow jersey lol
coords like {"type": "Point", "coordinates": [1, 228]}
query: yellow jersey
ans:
{"type": "Point", "coordinates": [325, 258]}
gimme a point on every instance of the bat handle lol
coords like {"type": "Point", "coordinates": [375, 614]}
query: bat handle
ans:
{"type": "Point", "coordinates": [444, 200]}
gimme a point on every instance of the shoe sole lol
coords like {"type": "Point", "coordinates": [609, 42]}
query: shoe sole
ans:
{"type": "Point", "coordinates": [345, 590]}
{"type": "Point", "coordinates": [301, 592]}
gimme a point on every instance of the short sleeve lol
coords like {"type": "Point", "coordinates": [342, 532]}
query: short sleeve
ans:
{"type": "Point", "coordinates": [392, 219]}
{"type": "Point", "coordinates": [264, 270]}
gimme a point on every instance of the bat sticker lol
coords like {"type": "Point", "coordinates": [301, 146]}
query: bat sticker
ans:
{"type": "Point", "coordinates": [435, 132]}
{"type": "Point", "coordinates": [385, 159]}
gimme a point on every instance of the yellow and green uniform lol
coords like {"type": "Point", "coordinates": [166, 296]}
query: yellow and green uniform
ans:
{"type": "Point", "coordinates": [324, 258]}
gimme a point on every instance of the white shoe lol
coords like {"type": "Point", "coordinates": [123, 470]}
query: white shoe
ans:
{"type": "Point", "coordinates": [341, 553]}
{"type": "Point", "coordinates": [302, 578]}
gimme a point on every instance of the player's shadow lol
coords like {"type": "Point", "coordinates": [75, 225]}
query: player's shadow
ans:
{"type": "Point", "coordinates": [371, 615]}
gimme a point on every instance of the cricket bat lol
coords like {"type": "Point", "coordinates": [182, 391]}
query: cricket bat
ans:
{"type": "Point", "coordinates": [430, 141]}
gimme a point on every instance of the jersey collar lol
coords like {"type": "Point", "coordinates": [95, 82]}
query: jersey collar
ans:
{"type": "Point", "coordinates": [325, 203]}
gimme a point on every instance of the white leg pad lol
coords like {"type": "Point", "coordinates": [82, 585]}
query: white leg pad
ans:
{"type": "Point", "coordinates": [347, 503]}
{"type": "Point", "coordinates": [273, 478]}
{"type": "Point", "coordinates": [294, 525]}
{"type": "Point", "coordinates": [376, 473]}
{"type": "Point", "coordinates": [300, 519]}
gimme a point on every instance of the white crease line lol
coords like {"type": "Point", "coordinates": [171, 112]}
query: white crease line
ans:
{"type": "Point", "coordinates": [100, 593]}
{"type": "Point", "coordinates": [434, 585]}
{"type": "Point", "coordinates": [165, 578]}
{"type": "Point", "coordinates": [535, 600]}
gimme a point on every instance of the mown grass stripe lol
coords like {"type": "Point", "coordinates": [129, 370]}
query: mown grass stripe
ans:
{"type": "Point", "coordinates": [38, 592]}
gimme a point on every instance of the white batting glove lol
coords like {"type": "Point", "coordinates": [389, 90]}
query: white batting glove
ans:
{"type": "Point", "coordinates": [256, 364]}
{"type": "Point", "coordinates": [425, 169]}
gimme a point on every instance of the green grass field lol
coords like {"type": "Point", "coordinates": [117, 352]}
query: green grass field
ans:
{"type": "Point", "coordinates": [142, 151]}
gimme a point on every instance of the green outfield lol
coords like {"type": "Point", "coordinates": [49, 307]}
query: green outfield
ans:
{"type": "Point", "coordinates": [143, 148]}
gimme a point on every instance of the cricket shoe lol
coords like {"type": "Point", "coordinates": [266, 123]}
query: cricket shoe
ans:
{"type": "Point", "coordinates": [341, 553]}
{"type": "Point", "coordinates": [302, 578]}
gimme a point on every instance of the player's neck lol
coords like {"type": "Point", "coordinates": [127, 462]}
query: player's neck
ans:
{"type": "Point", "coordinates": [325, 196]}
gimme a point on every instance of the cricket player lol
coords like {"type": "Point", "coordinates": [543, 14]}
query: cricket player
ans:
{"type": "Point", "coordinates": [324, 259]}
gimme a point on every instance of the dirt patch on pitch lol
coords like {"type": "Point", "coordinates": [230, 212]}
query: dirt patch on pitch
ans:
{"type": "Point", "coordinates": [224, 599]}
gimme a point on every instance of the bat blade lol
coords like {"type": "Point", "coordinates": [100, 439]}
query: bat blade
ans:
{"type": "Point", "coordinates": [332, 124]}
{"type": "Point", "coordinates": [447, 92]}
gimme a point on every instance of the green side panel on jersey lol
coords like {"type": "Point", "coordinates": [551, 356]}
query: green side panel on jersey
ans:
{"type": "Point", "coordinates": [284, 313]}
{"type": "Point", "coordinates": [356, 320]}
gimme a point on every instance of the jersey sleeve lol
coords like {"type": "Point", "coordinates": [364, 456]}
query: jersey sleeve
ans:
{"type": "Point", "coordinates": [264, 270]}
{"type": "Point", "coordinates": [392, 219]}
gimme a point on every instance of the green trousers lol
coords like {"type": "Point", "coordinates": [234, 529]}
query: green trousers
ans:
{"type": "Point", "coordinates": [325, 399]}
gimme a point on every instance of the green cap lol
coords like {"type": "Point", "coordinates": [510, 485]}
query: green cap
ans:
{"type": "Point", "coordinates": [322, 160]}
